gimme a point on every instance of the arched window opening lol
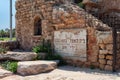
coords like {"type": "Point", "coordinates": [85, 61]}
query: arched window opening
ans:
{"type": "Point", "coordinates": [37, 27]}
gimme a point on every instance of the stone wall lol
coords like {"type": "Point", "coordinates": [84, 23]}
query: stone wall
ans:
{"type": "Point", "coordinates": [57, 15]}
{"type": "Point", "coordinates": [103, 6]}
{"type": "Point", "coordinates": [105, 42]}
{"type": "Point", "coordinates": [27, 12]}
{"type": "Point", "coordinates": [106, 10]}
{"type": "Point", "coordinates": [10, 45]}
{"type": "Point", "coordinates": [72, 17]}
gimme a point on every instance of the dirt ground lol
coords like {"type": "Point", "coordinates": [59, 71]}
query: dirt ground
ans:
{"type": "Point", "coordinates": [70, 73]}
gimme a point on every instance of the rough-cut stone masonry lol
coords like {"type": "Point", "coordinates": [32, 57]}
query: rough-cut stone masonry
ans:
{"type": "Point", "coordinates": [105, 43]}
{"type": "Point", "coordinates": [11, 45]}
{"type": "Point", "coordinates": [57, 15]}
{"type": "Point", "coordinates": [106, 10]}
{"type": "Point", "coordinates": [103, 6]}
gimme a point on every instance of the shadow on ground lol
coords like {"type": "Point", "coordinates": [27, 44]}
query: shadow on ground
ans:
{"type": "Point", "coordinates": [90, 71]}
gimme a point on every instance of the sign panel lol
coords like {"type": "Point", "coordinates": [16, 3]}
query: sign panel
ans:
{"type": "Point", "coordinates": [71, 43]}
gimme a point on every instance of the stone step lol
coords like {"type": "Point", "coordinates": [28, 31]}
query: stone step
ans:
{"type": "Point", "coordinates": [18, 56]}
{"type": "Point", "coordinates": [5, 73]}
{"type": "Point", "coordinates": [35, 67]}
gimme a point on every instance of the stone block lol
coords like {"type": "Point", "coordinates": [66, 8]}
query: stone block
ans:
{"type": "Point", "coordinates": [102, 66]}
{"type": "Point", "coordinates": [92, 58]}
{"type": "Point", "coordinates": [95, 50]}
{"type": "Point", "coordinates": [102, 61]}
{"type": "Point", "coordinates": [35, 67]}
{"type": "Point", "coordinates": [109, 39]}
{"type": "Point", "coordinates": [109, 46]}
{"type": "Point", "coordinates": [109, 62]}
{"type": "Point", "coordinates": [18, 56]}
{"type": "Point", "coordinates": [104, 37]}
{"type": "Point", "coordinates": [102, 46]}
{"type": "Point", "coordinates": [110, 52]}
{"type": "Point", "coordinates": [103, 51]}
{"type": "Point", "coordinates": [95, 64]}
{"type": "Point", "coordinates": [108, 68]}
{"type": "Point", "coordinates": [118, 46]}
{"type": "Point", "coordinates": [11, 45]}
{"type": "Point", "coordinates": [101, 56]}
{"type": "Point", "coordinates": [109, 57]}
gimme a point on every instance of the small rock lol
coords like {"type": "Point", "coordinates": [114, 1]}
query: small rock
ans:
{"type": "Point", "coordinates": [35, 67]}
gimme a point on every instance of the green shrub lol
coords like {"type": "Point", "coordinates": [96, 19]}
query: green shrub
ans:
{"type": "Point", "coordinates": [47, 49]}
{"type": "Point", "coordinates": [10, 65]}
{"type": "Point", "coordinates": [37, 49]}
{"type": "Point", "coordinates": [81, 5]}
{"type": "Point", "coordinates": [1, 39]}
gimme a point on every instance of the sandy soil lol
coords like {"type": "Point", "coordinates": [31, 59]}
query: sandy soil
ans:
{"type": "Point", "coordinates": [70, 73]}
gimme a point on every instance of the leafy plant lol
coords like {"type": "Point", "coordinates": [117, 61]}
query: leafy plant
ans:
{"type": "Point", "coordinates": [49, 55]}
{"type": "Point", "coordinates": [10, 65]}
{"type": "Point", "coordinates": [37, 49]}
{"type": "Point", "coordinates": [81, 5]}
{"type": "Point", "coordinates": [46, 47]}
{"type": "Point", "coordinates": [1, 39]}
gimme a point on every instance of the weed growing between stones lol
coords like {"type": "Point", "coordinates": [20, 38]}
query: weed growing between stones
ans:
{"type": "Point", "coordinates": [9, 65]}
{"type": "Point", "coordinates": [81, 5]}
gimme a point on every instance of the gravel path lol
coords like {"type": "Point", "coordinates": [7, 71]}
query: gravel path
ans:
{"type": "Point", "coordinates": [70, 73]}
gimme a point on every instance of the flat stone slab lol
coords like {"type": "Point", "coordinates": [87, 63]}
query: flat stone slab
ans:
{"type": "Point", "coordinates": [18, 56]}
{"type": "Point", "coordinates": [35, 67]}
{"type": "Point", "coordinates": [5, 73]}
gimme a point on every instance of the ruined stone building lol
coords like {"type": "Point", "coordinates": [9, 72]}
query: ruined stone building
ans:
{"type": "Point", "coordinates": [80, 37]}
{"type": "Point", "coordinates": [106, 10]}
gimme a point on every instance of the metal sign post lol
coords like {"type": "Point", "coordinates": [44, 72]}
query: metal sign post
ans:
{"type": "Point", "coordinates": [10, 20]}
